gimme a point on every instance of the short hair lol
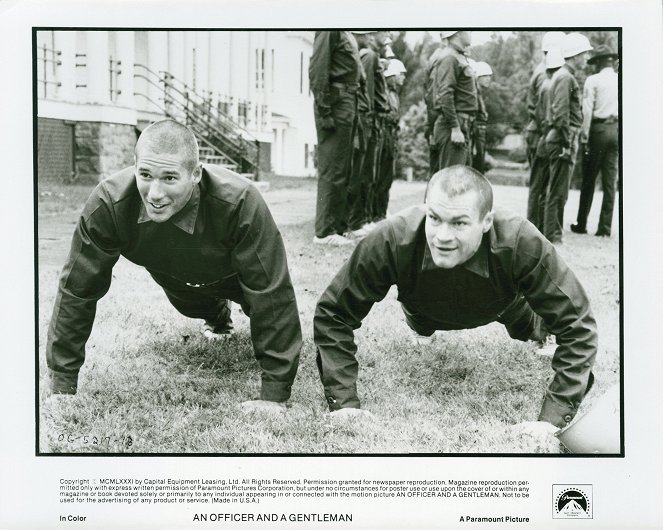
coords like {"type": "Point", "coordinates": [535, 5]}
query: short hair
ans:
{"type": "Point", "coordinates": [456, 180]}
{"type": "Point", "coordinates": [169, 136]}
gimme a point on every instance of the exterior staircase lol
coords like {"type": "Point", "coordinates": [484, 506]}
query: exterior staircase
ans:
{"type": "Point", "coordinates": [222, 141]}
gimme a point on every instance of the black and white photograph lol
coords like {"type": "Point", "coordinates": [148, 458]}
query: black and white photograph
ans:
{"type": "Point", "coordinates": [347, 241]}
{"type": "Point", "coordinates": [382, 265]}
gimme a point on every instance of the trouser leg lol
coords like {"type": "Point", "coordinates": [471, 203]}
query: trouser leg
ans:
{"type": "Point", "coordinates": [561, 170]}
{"type": "Point", "coordinates": [538, 182]}
{"type": "Point", "coordinates": [590, 169]}
{"type": "Point", "coordinates": [211, 304]}
{"type": "Point", "coordinates": [385, 178]}
{"type": "Point", "coordinates": [521, 322]}
{"type": "Point", "coordinates": [478, 161]}
{"type": "Point", "coordinates": [334, 163]}
{"type": "Point", "coordinates": [357, 188]}
{"type": "Point", "coordinates": [609, 168]}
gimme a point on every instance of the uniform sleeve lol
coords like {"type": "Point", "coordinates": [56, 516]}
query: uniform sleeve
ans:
{"type": "Point", "coordinates": [369, 61]}
{"type": "Point", "coordinates": [533, 96]}
{"type": "Point", "coordinates": [560, 101]}
{"type": "Point", "coordinates": [555, 294]}
{"type": "Point", "coordinates": [588, 98]}
{"type": "Point", "coordinates": [85, 278]}
{"type": "Point", "coordinates": [260, 259]}
{"type": "Point", "coordinates": [319, 68]}
{"type": "Point", "coordinates": [362, 281]}
{"type": "Point", "coordinates": [444, 87]}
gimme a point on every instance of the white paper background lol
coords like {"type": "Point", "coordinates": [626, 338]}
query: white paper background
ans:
{"type": "Point", "coordinates": [627, 492]}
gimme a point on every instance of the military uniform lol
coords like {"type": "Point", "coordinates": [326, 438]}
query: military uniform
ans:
{"type": "Point", "coordinates": [537, 128]}
{"type": "Point", "coordinates": [222, 245]}
{"type": "Point", "coordinates": [455, 104]}
{"type": "Point", "coordinates": [479, 134]}
{"type": "Point", "coordinates": [334, 74]}
{"type": "Point", "coordinates": [601, 127]}
{"type": "Point", "coordinates": [562, 147]}
{"type": "Point", "coordinates": [364, 152]}
{"type": "Point", "coordinates": [389, 155]}
{"type": "Point", "coordinates": [516, 277]}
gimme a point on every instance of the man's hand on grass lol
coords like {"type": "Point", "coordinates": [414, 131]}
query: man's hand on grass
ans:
{"type": "Point", "coordinates": [539, 435]}
{"type": "Point", "coordinates": [263, 407]}
{"type": "Point", "coordinates": [350, 414]}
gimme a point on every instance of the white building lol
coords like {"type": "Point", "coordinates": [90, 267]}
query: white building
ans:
{"type": "Point", "coordinates": [97, 89]}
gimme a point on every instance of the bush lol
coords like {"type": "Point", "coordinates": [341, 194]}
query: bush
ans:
{"type": "Point", "coordinates": [412, 144]}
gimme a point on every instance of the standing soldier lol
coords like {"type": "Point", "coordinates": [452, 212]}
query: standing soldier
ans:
{"type": "Point", "coordinates": [483, 71]}
{"type": "Point", "coordinates": [431, 114]}
{"type": "Point", "coordinates": [537, 102]}
{"type": "Point", "coordinates": [454, 102]}
{"type": "Point", "coordinates": [562, 139]}
{"type": "Point", "coordinates": [374, 65]}
{"type": "Point", "coordinates": [600, 138]}
{"type": "Point", "coordinates": [395, 76]}
{"type": "Point", "coordinates": [362, 161]}
{"type": "Point", "coordinates": [334, 74]}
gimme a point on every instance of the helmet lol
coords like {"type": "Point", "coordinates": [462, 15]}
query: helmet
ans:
{"type": "Point", "coordinates": [552, 38]}
{"type": "Point", "coordinates": [395, 67]}
{"type": "Point", "coordinates": [481, 68]}
{"type": "Point", "coordinates": [447, 34]}
{"type": "Point", "coordinates": [597, 431]}
{"type": "Point", "coordinates": [554, 57]}
{"type": "Point", "coordinates": [356, 31]}
{"type": "Point", "coordinates": [388, 52]}
{"type": "Point", "coordinates": [575, 44]}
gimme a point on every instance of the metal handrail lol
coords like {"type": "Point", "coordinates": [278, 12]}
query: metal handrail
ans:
{"type": "Point", "coordinates": [227, 134]}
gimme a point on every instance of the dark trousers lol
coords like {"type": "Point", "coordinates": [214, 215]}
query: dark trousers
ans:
{"type": "Point", "coordinates": [209, 302]}
{"type": "Point", "coordinates": [448, 153]}
{"type": "Point", "coordinates": [359, 174]}
{"type": "Point", "coordinates": [479, 158]}
{"type": "Point", "coordinates": [334, 164]}
{"type": "Point", "coordinates": [520, 321]}
{"type": "Point", "coordinates": [561, 169]}
{"type": "Point", "coordinates": [372, 168]}
{"type": "Point", "coordinates": [385, 175]}
{"type": "Point", "coordinates": [538, 186]}
{"type": "Point", "coordinates": [602, 156]}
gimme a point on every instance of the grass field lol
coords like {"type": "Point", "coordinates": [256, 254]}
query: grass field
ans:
{"type": "Point", "coordinates": [150, 375]}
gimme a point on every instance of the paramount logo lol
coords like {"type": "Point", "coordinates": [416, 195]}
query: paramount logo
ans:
{"type": "Point", "coordinates": [572, 501]}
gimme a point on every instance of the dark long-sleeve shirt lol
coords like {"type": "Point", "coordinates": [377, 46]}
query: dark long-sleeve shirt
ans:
{"type": "Point", "coordinates": [534, 97]}
{"type": "Point", "coordinates": [335, 59]}
{"type": "Point", "coordinates": [565, 104]}
{"type": "Point", "coordinates": [453, 87]}
{"type": "Point", "coordinates": [514, 259]}
{"type": "Point", "coordinates": [224, 230]}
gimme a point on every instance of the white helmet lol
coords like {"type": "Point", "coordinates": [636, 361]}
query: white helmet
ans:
{"type": "Point", "coordinates": [481, 68]}
{"type": "Point", "coordinates": [395, 67]}
{"type": "Point", "coordinates": [362, 32]}
{"type": "Point", "coordinates": [447, 34]}
{"type": "Point", "coordinates": [575, 44]}
{"type": "Point", "coordinates": [554, 57]}
{"type": "Point", "coordinates": [552, 38]}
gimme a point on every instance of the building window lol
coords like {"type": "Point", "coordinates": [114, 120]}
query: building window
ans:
{"type": "Point", "coordinates": [260, 68]}
{"type": "Point", "coordinates": [301, 72]}
{"type": "Point", "coordinates": [273, 67]}
{"type": "Point", "coordinates": [305, 156]}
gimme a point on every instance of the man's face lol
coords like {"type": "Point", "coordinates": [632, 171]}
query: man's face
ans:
{"type": "Point", "coordinates": [484, 81]}
{"type": "Point", "coordinates": [463, 39]}
{"type": "Point", "coordinates": [454, 227]}
{"type": "Point", "coordinates": [164, 182]}
{"type": "Point", "coordinates": [581, 60]}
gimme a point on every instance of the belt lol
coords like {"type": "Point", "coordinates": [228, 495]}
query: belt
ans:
{"type": "Point", "coordinates": [465, 115]}
{"type": "Point", "coordinates": [345, 87]}
{"type": "Point", "coordinates": [609, 119]}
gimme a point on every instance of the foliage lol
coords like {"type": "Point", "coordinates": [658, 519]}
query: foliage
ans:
{"type": "Point", "coordinates": [513, 58]}
{"type": "Point", "coordinates": [413, 147]}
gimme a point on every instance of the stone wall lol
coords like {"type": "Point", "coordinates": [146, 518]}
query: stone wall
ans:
{"type": "Point", "coordinates": [102, 149]}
